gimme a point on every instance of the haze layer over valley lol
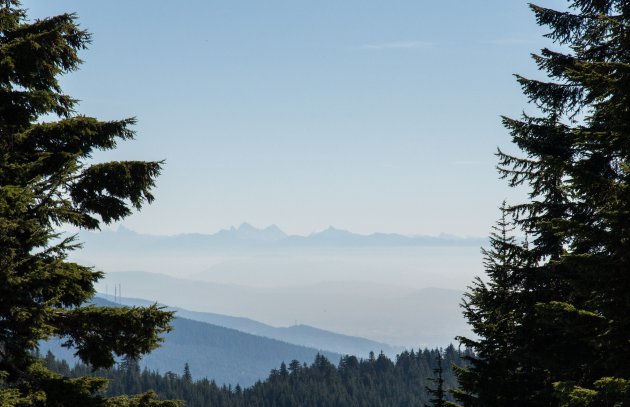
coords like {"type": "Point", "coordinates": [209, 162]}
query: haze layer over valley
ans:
{"type": "Point", "coordinates": [269, 258]}
{"type": "Point", "coordinates": [391, 288]}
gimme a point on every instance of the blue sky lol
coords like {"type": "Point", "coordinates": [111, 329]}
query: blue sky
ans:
{"type": "Point", "coordinates": [366, 115]}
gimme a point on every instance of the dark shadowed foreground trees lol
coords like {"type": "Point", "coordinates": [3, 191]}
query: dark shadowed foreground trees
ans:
{"type": "Point", "coordinates": [45, 182]}
{"type": "Point", "coordinates": [552, 317]}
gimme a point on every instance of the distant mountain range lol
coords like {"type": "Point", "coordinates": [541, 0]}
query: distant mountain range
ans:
{"type": "Point", "coordinates": [221, 354]}
{"type": "Point", "coordinates": [247, 236]}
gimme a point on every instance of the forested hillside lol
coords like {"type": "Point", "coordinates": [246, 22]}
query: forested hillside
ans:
{"type": "Point", "coordinates": [219, 353]}
{"type": "Point", "coordinates": [302, 335]}
{"type": "Point", "coordinates": [376, 381]}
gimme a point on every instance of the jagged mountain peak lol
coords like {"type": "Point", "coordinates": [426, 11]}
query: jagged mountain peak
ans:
{"type": "Point", "coordinates": [246, 231]}
{"type": "Point", "coordinates": [246, 227]}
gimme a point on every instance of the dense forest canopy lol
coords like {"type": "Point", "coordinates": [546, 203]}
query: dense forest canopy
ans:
{"type": "Point", "coordinates": [376, 381]}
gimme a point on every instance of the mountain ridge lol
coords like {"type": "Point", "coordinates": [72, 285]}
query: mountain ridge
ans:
{"type": "Point", "coordinates": [391, 314]}
{"type": "Point", "coordinates": [218, 353]}
{"type": "Point", "coordinates": [248, 236]}
{"type": "Point", "coordinates": [298, 334]}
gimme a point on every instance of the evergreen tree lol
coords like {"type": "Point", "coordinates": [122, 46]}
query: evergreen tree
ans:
{"type": "Point", "coordinates": [187, 376]}
{"type": "Point", "coordinates": [554, 322]}
{"type": "Point", "coordinates": [494, 308]}
{"type": "Point", "coordinates": [438, 399]}
{"type": "Point", "coordinates": [46, 181]}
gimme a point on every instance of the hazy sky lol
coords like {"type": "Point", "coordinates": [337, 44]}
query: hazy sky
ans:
{"type": "Point", "coordinates": [367, 115]}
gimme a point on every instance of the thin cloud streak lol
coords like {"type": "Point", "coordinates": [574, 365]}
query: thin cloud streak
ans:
{"type": "Point", "coordinates": [467, 162]}
{"type": "Point", "coordinates": [399, 45]}
{"type": "Point", "coordinates": [508, 41]}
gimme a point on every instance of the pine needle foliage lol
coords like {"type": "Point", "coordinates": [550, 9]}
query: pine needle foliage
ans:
{"type": "Point", "coordinates": [46, 181]}
{"type": "Point", "coordinates": [552, 317]}
{"type": "Point", "coordinates": [437, 391]}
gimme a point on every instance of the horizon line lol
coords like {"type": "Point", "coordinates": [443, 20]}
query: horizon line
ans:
{"type": "Point", "coordinates": [441, 235]}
